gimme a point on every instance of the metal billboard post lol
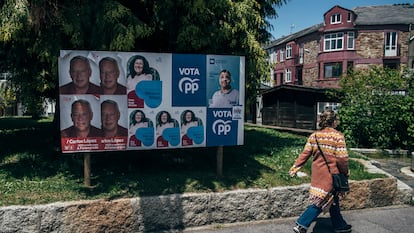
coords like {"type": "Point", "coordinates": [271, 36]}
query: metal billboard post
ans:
{"type": "Point", "coordinates": [219, 161]}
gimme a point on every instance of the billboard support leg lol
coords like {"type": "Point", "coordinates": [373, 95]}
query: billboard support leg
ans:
{"type": "Point", "coordinates": [87, 169]}
{"type": "Point", "coordinates": [220, 161]}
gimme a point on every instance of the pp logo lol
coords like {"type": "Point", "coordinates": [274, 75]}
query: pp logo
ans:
{"type": "Point", "coordinates": [221, 127]}
{"type": "Point", "coordinates": [187, 85]}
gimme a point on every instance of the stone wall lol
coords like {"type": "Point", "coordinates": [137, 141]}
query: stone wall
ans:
{"type": "Point", "coordinates": [179, 211]}
{"type": "Point", "coordinates": [370, 45]}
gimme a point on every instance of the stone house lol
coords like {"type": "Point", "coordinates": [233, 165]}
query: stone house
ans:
{"type": "Point", "coordinates": [315, 58]}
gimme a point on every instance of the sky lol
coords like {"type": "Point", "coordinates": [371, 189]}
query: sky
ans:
{"type": "Point", "coordinates": [297, 15]}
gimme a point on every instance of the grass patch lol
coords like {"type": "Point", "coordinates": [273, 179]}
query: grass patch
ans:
{"type": "Point", "coordinates": [33, 171]}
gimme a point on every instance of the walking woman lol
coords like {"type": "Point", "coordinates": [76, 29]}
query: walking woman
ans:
{"type": "Point", "coordinates": [322, 197]}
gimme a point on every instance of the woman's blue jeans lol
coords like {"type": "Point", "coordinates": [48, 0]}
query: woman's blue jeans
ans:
{"type": "Point", "coordinates": [312, 212]}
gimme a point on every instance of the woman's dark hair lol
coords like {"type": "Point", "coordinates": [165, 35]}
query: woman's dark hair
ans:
{"type": "Point", "coordinates": [183, 118]}
{"type": "Point", "coordinates": [132, 117]}
{"type": "Point", "coordinates": [327, 118]}
{"type": "Point", "coordinates": [159, 117]}
{"type": "Point", "coordinates": [145, 70]}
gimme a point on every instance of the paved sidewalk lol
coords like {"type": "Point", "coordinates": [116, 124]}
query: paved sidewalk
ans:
{"type": "Point", "coordinates": [397, 167]}
{"type": "Point", "coordinates": [391, 219]}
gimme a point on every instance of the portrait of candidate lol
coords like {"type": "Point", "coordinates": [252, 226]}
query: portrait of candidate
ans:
{"type": "Point", "coordinates": [226, 97]}
{"type": "Point", "coordinates": [188, 120]}
{"type": "Point", "coordinates": [138, 70]}
{"type": "Point", "coordinates": [110, 115]}
{"type": "Point", "coordinates": [164, 121]}
{"type": "Point", "coordinates": [109, 75]}
{"type": "Point", "coordinates": [81, 116]}
{"type": "Point", "coordinates": [80, 72]}
{"type": "Point", "coordinates": [137, 120]}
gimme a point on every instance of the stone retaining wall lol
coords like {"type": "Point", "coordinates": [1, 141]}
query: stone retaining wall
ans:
{"type": "Point", "coordinates": [179, 211]}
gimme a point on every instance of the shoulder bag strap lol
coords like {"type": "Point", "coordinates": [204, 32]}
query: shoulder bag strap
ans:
{"type": "Point", "coordinates": [326, 162]}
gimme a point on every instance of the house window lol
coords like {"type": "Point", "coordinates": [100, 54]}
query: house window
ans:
{"type": "Point", "coordinates": [282, 55]}
{"type": "Point", "coordinates": [333, 70]}
{"type": "Point", "coordinates": [334, 41]}
{"type": "Point", "coordinates": [335, 18]}
{"type": "Point", "coordinates": [351, 40]}
{"type": "Point", "coordinates": [288, 51]}
{"type": "Point", "coordinates": [391, 65]}
{"type": "Point", "coordinates": [301, 54]}
{"type": "Point", "coordinates": [288, 77]}
{"type": "Point", "coordinates": [273, 57]}
{"type": "Point", "coordinates": [349, 19]}
{"type": "Point", "coordinates": [391, 44]}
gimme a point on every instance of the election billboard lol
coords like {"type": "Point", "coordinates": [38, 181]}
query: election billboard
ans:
{"type": "Point", "coordinates": [115, 101]}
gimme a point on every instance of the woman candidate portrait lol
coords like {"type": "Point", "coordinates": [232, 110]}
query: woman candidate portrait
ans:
{"type": "Point", "coordinates": [164, 121]}
{"type": "Point", "coordinates": [137, 119]}
{"type": "Point", "coordinates": [188, 120]}
{"type": "Point", "coordinates": [138, 70]}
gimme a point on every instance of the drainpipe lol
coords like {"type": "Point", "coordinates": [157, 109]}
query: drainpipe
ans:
{"type": "Point", "coordinates": [410, 47]}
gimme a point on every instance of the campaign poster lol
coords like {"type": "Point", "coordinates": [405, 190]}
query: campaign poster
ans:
{"type": "Point", "coordinates": [192, 126]}
{"type": "Point", "coordinates": [80, 123]}
{"type": "Point", "coordinates": [189, 80]}
{"type": "Point", "coordinates": [116, 101]}
{"type": "Point", "coordinates": [114, 124]}
{"type": "Point", "coordinates": [141, 129]}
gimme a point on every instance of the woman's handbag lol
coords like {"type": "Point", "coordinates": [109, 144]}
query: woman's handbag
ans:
{"type": "Point", "coordinates": [340, 181]}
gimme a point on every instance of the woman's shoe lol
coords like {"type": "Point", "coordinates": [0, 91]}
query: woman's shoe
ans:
{"type": "Point", "coordinates": [345, 229]}
{"type": "Point", "coordinates": [299, 229]}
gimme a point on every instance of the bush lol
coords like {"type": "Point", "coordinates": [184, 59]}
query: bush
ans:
{"type": "Point", "coordinates": [377, 108]}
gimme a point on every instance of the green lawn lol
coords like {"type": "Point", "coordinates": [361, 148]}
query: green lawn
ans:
{"type": "Point", "coordinates": [33, 171]}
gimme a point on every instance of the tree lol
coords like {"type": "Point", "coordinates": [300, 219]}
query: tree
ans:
{"type": "Point", "coordinates": [33, 32]}
{"type": "Point", "coordinates": [377, 108]}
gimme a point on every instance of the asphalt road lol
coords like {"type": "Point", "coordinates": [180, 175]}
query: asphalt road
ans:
{"type": "Point", "coordinates": [376, 220]}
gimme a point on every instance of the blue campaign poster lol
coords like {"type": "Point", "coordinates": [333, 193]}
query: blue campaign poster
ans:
{"type": "Point", "coordinates": [188, 80]}
{"type": "Point", "coordinates": [217, 67]}
{"type": "Point", "coordinates": [222, 128]}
